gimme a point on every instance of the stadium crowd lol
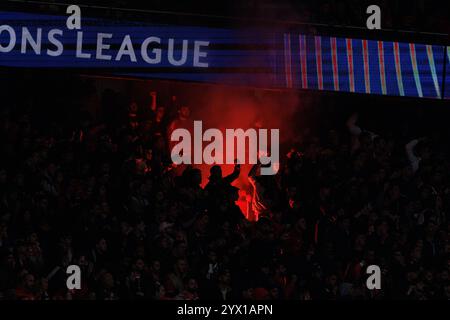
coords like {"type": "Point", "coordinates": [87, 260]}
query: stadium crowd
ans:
{"type": "Point", "coordinates": [104, 195]}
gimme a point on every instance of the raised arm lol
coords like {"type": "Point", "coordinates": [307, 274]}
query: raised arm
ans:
{"type": "Point", "coordinates": [234, 175]}
{"type": "Point", "coordinates": [153, 104]}
{"type": "Point", "coordinates": [351, 125]}
{"type": "Point", "coordinates": [412, 158]}
{"type": "Point", "coordinates": [253, 170]}
{"type": "Point", "coordinates": [354, 130]}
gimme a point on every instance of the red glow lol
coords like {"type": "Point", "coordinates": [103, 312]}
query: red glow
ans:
{"type": "Point", "coordinates": [224, 108]}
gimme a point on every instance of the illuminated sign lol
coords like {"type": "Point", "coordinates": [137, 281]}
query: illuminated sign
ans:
{"type": "Point", "coordinates": [260, 58]}
{"type": "Point", "coordinates": [364, 66]}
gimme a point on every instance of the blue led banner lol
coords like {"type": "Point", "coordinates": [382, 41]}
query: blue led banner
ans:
{"type": "Point", "coordinates": [364, 66]}
{"type": "Point", "coordinates": [159, 51]}
{"type": "Point", "coordinates": [260, 58]}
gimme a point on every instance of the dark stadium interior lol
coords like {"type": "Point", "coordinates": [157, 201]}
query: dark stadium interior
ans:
{"type": "Point", "coordinates": [86, 176]}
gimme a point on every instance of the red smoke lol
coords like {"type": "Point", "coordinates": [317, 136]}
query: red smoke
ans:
{"type": "Point", "coordinates": [225, 107]}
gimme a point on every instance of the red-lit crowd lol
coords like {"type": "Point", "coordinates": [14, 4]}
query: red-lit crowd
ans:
{"type": "Point", "coordinates": [104, 195]}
